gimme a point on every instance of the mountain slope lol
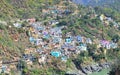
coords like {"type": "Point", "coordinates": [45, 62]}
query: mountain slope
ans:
{"type": "Point", "coordinates": [6, 9]}
{"type": "Point", "coordinates": [21, 8]}
{"type": "Point", "coordinates": [76, 20]}
{"type": "Point", "coordinates": [31, 8]}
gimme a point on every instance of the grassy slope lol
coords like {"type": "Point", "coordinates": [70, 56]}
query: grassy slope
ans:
{"type": "Point", "coordinates": [6, 10]}
{"type": "Point", "coordinates": [19, 8]}
{"type": "Point", "coordinates": [103, 72]}
{"type": "Point", "coordinates": [9, 47]}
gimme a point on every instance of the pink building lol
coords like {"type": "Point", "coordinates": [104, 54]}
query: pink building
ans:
{"type": "Point", "coordinates": [105, 44]}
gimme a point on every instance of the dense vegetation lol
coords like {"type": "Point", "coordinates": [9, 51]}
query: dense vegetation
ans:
{"type": "Point", "coordinates": [23, 8]}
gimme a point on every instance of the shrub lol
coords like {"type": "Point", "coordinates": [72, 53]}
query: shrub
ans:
{"type": "Point", "coordinates": [2, 27]}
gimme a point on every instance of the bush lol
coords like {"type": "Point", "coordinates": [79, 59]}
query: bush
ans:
{"type": "Point", "coordinates": [81, 56]}
{"type": "Point", "coordinates": [116, 38]}
{"type": "Point", "coordinates": [20, 30]}
{"type": "Point", "coordinates": [28, 33]}
{"type": "Point", "coordinates": [2, 27]}
{"type": "Point", "coordinates": [68, 63]}
{"type": "Point", "coordinates": [91, 49]}
{"type": "Point", "coordinates": [98, 57]}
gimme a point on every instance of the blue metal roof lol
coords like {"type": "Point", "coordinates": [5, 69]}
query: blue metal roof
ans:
{"type": "Point", "coordinates": [68, 40]}
{"type": "Point", "coordinates": [55, 53]}
{"type": "Point", "coordinates": [31, 39]}
{"type": "Point", "coordinates": [79, 38]}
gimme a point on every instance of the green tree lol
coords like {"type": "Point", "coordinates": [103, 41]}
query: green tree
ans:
{"type": "Point", "coordinates": [91, 49]}
{"type": "Point", "coordinates": [81, 56]}
{"type": "Point", "coordinates": [2, 27]}
{"type": "Point", "coordinates": [115, 68]}
{"type": "Point", "coordinates": [98, 57]}
{"type": "Point", "coordinates": [21, 65]}
{"type": "Point", "coordinates": [116, 38]}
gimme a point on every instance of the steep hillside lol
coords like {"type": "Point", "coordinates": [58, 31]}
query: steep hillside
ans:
{"type": "Point", "coordinates": [6, 10]}
{"type": "Point", "coordinates": [33, 8]}
{"type": "Point", "coordinates": [22, 8]}
{"type": "Point", "coordinates": [57, 37]}
{"type": "Point", "coordinates": [12, 43]}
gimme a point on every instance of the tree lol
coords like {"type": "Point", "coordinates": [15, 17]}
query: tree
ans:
{"type": "Point", "coordinates": [116, 38]}
{"type": "Point", "coordinates": [91, 49]}
{"type": "Point", "coordinates": [98, 57]}
{"type": "Point", "coordinates": [115, 68]}
{"type": "Point", "coordinates": [24, 24]}
{"type": "Point", "coordinates": [111, 24]}
{"type": "Point", "coordinates": [21, 65]}
{"type": "Point", "coordinates": [2, 27]}
{"type": "Point", "coordinates": [56, 1]}
{"type": "Point", "coordinates": [28, 33]}
{"type": "Point", "coordinates": [81, 56]}
{"type": "Point", "coordinates": [119, 28]}
{"type": "Point", "coordinates": [62, 23]}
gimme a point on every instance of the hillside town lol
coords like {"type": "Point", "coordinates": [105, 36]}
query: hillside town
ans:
{"type": "Point", "coordinates": [50, 41]}
{"type": "Point", "coordinates": [46, 40]}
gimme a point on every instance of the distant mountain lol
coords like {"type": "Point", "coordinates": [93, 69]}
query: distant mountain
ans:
{"type": "Point", "coordinates": [84, 2]}
{"type": "Point", "coordinates": [115, 4]}
{"type": "Point", "coordinates": [93, 2]}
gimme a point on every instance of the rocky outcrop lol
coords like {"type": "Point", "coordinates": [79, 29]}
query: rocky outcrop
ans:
{"type": "Point", "coordinates": [75, 72]}
{"type": "Point", "coordinates": [86, 70]}
{"type": "Point", "coordinates": [95, 67]}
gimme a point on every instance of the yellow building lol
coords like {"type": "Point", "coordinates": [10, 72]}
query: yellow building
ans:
{"type": "Point", "coordinates": [102, 17]}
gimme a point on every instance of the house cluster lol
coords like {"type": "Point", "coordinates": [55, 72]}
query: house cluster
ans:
{"type": "Point", "coordinates": [107, 20]}
{"type": "Point", "coordinates": [55, 11]}
{"type": "Point", "coordinates": [108, 44]}
{"type": "Point", "coordinates": [50, 42]}
{"type": "Point", "coordinates": [4, 68]}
